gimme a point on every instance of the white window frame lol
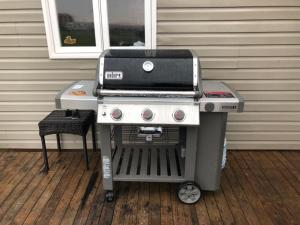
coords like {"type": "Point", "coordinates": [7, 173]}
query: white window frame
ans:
{"type": "Point", "coordinates": [101, 27]}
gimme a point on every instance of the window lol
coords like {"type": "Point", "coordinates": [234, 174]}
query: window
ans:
{"type": "Point", "coordinates": [84, 28]}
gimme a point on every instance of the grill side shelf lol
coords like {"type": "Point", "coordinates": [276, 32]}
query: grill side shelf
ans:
{"type": "Point", "coordinates": [148, 164]}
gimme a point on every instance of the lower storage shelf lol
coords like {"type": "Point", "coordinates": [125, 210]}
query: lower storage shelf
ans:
{"type": "Point", "coordinates": [148, 164]}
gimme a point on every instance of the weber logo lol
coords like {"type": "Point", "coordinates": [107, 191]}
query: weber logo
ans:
{"type": "Point", "coordinates": [113, 75]}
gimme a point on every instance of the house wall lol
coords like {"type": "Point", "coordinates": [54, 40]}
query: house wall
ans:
{"type": "Point", "coordinates": [253, 45]}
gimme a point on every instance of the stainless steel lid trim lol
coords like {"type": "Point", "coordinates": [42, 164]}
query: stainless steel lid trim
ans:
{"type": "Point", "coordinates": [196, 73]}
{"type": "Point", "coordinates": [195, 69]}
{"type": "Point", "coordinates": [101, 70]}
{"type": "Point", "coordinates": [104, 92]}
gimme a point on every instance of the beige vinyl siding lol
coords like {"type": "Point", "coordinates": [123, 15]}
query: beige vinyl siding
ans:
{"type": "Point", "coordinates": [253, 45]}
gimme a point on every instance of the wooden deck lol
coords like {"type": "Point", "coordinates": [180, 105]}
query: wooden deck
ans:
{"type": "Point", "coordinates": [257, 188]}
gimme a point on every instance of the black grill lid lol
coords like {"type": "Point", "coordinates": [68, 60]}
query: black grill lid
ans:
{"type": "Point", "coordinates": [173, 70]}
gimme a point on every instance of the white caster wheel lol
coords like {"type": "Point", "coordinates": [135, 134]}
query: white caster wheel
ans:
{"type": "Point", "coordinates": [189, 193]}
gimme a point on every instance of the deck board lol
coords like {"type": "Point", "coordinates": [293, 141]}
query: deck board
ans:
{"type": "Point", "coordinates": [256, 188]}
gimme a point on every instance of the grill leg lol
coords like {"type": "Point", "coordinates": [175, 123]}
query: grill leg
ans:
{"type": "Point", "coordinates": [105, 146]}
{"type": "Point", "coordinates": [58, 142]}
{"type": "Point", "coordinates": [94, 136]}
{"type": "Point", "coordinates": [85, 153]}
{"type": "Point", "coordinates": [46, 165]}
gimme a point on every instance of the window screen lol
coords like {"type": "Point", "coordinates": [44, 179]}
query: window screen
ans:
{"type": "Point", "coordinates": [126, 22]}
{"type": "Point", "coordinates": [76, 22]}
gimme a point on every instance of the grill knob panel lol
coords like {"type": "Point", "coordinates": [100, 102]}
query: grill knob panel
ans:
{"type": "Point", "coordinates": [179, 115]}
{"type": "Point", "coordinates": [147, 114]}
{"type": "Point", "coordinates": [116, 114]}
{"type": "Point", "coordinates": [209, 107]}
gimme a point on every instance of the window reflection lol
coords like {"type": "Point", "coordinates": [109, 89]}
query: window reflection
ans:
{"type": "Point", "coordinates": [126, 22]}
{"type": "Point", "coordinates": [76, 22]}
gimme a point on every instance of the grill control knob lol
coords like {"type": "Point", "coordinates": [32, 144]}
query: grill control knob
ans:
{"type": "Point", "coordinates": [116, 114]}
{"type": "Point", "coordinates": [179, 115]}
{"type": "Point", "coordinates": [147, 114]}
{"type": "Point", "coordinates": [209, 107]}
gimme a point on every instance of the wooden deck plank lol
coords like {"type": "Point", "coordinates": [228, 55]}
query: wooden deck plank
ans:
{"type": "Point", "coordinates": [55, 170]}
{"type": "Point", "coordinates": [275, 176]}
{"type": "Point", "coordinates": [121, 206]}
{"type": "Point", "coordinates": [24, 194]}
{"type": "Point", "coordinates": [256, 188]}
{"type": "Point", "coordinates": [177, 208]}
{"type": "Point", "coordinates": [254, 199]}
{"type": "Point", "coordinates": [212, 209]}
{"type": "Point", "coordinates": [194, 218]}
{"type": "Point", "coordinates": [3, 158]}
{"type": "Point", "coordinates": [74, 204]}
{"type": "Point", "coordinates": [254, 179]}
{"type": "Point", "coordinates": [16, 178]}
{"type": "Point", "coordinates": [97, 205]}
{"type": "Point", "coordinates": [223, 207]}
{"type": "Point", "coordinates": [8, 173]}
{"type": "Point", "coordinates": [51, 205]}
{"type": "Point", "coordinates": [267, 193]}
{"type": "Point", "coordinates": [154, 203]}
{"type": "Point", "coordinates": [6, 161]}
{"type": "Point", "coordinates": [68, 194]}
{"type": "Point", "coordinates": [131, 215]}
{"type": "Point", "coordinates": [37, 209]}
{"type": "Point", "coordinates": [288, 176]}
{"type": "Point", "coordinates": [236, 210]}
{"type": "Point", "coordinates": [288, 166]}
{"type": "Point", "coordinates": [280, 184]}
{"type": "Point", "coordinates": [189, 218]}
{"type": "Point", "coordinates": [84, 211]}
{"type": "Point", "coordinates": [19, 189]}
{"type": "Point", "coordinates": [202, 214]}
{"type": "Point", "coordinates": [249, 212]}
{"type": "Point", "coordinates": [294, 160]}
{"type": "Point", "coordinates": [143, 205]}
{"type": "Point", "coordinates": [107, 213]}
{"type": "Point", "coordinates": [165, 202]}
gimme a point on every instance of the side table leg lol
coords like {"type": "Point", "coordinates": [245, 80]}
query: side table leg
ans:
{"type": "Point", "coordinates": [58, 142]}
{"type": "Point", "coordinates": [94, 137]}
{"type": "Point", "coordinates": [85, 153]}
{"type": "Point", "coordinates": [46, 165]}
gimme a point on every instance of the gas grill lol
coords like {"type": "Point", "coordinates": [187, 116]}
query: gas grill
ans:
{"type": "Point", "coordinates": [157, 120]}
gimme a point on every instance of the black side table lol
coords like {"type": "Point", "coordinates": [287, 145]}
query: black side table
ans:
{"type": "Point", "coordinates": [75, 122]}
